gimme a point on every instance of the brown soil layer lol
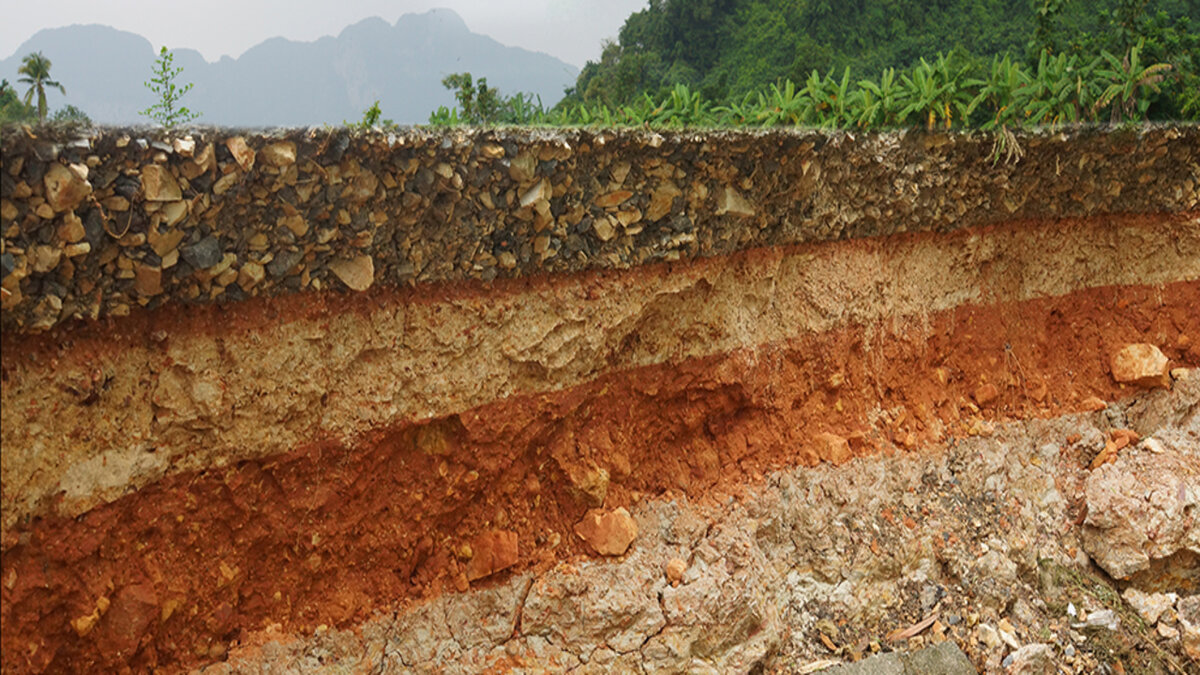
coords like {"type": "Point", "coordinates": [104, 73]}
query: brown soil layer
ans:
{"type": "Point", "coordinates": [329, 534]}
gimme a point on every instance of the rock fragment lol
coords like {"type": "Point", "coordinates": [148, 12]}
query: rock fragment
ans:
{"type": "Point", "coordinates": [492, 552]}
{"type": "Point", "coordinates": [358, 273]}
{"type": "Point", "coordinates": [279, 155]}
{"type": "Point", "coordinates": [607, 532]}
{"type": "Point", "coordinates": [1137, 510]}
{"type": "Point", "coordinates": [1143, 365]}
{"type": "Point", "coordinates": [203, 254]}
{"type": "Point", "coordinates": [1150, 606]}
{"type": "Point", "coordinates": [242, 153]}
{"type": "Point", "coordinates": [66, 187]}
{"type": "Point", "coordinates": [1033, 659]}
{"type": "Point", "coordinates": [147, 280]}
{"type": "Point", "coordinates": [674, 571]}
{"type": "Point", "coordinates": [731, 201]}
{"type": "Point", "coordinates": [158, 185]}
{"type": "Point", "coordinates": [1189, 625]}
{"type": "Point", "coordinates": [834, 448]}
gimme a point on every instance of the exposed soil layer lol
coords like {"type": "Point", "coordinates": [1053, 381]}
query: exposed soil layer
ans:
{"type": "Point", "coordinates": [94, 411]}
{"type": "Point", "coordinates": [330, 533]}
{"type": "Point", "coordinates": [974, 543]}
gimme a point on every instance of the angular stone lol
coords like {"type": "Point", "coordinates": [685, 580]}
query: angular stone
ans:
{"type": "Point", "coordinates": [612, 198]}
{"type": "Point", "coordinates": [1137, 511]}
{"type": "Point", "coordinates": [225, 182]}
{"type": "Point", "coordinates": [358, 273]}
{"type": "Point", "coordinates": [279, 155]}
{"type": "Point", "coordinates": [1189, 626]}
{"type": "Point", "coordinates": [604, 229]}
{"type": "Point", "coordinates": [164, 242]}
{"type": "Point", "coordinates": [834, 448]}
{"type": "Point", "coordinates": [732, 202]}
{"type": "Point", "coordinates": [607, 532]}
{"type": "Point", "coordinates": [250, 275]}
{"type": "Point", "coordinates": [361, 188]}
{"type": "Point", "coordinates": [147, 280]}
{"type": "Point", "coordinates": [242, 153]}
{"type": "Point", "coordinates": [45, 258]}
{"type": "Point", "coordinates": [492, 552]}
{"type": "Point", "coordinates": [283, 262]}
{"type": "Point", "coordinates": [521, 169]}
{"type": "Point", "coordinates": [203, 254]}
{"type": "Point", "coordinates": [184, 147]}
{"type": "Point", "coordinates": [296, 224]}
{"type": "Point", "coordinates": [65, 187]}
{"type": "Point", "coordinates": [158, 185]}
{"type": "Point", "coordinates": [1150, 606]}
{"type": "Point", "coordinates": [944, 658]}
{"type": "Point", "coordinates": [71, 230]}
{"type": "Point", "coordinates": [986, 394]}
{"type": "Point", "coordinates": [660, 202]}
{"type": "Point", "coordinates": [132, 612]}
{"type": "Point", "coordinates": [538, 193]}
{"type": "Point", "coordinates": [1032, 659]}
{"type": "Point", "coordinates": [116, 203]}
{"type": "Point", "coordinates": [1142, 365]}
{"type": "Point", "coordinates": [174, 212]}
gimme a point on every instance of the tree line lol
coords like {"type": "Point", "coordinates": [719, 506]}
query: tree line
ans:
{"type": "Point", "coordinates": [875, 64]}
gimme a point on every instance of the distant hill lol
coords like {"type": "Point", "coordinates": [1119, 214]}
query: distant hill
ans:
{"type": "Point", "coordinates": [286, 83]}
{"type": "Point", "coordinates": [727, 48]}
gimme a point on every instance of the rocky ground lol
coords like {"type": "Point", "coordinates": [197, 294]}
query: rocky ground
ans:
{"type": "Point", "coordinates": [1066, 545]}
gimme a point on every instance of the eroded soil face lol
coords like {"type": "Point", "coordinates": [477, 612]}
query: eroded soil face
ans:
{"type": "Point", "coordinates": [380, 502]}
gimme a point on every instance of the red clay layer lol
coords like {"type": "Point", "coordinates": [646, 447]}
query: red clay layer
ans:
{"type": "Point", "coordinates": [329, 534]}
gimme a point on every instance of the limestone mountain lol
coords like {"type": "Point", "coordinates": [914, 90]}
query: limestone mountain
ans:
{"type": "Point", "coordinates": [285, 82]}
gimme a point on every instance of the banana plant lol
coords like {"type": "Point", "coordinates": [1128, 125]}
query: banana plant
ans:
{"type": "Point", "coordinates": [682, 108]}
{"type": "Point", "coordinates": [781, 105]}
{"type": "Point", "coordinates": [876, 104]}
{"type": "Point", "coordinates": [736, 113]}
{"type": "Point", "coordinates": [1000, 92]}
{"type": "Point", "coordinates": [935, 91]}
{"type": "Point", "coordinates": [1129, 84]}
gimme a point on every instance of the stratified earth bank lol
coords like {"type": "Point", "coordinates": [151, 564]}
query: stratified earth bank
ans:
{"type": "Point", "coordinates": [599, 401]}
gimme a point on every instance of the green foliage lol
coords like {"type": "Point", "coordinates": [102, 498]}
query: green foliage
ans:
{"type": "Point", "coordinates": [167, 111]}
{"type": "Point", "coordinates": [372, 117]}
{"type": "Point", "coordinates": [482, 105]}
{"type": "Point", "coordinates": [12, 108]}
{"type": "Point", "coordinates": [70, 114]}
{"type": "Point", "coordinates": [35, 69]}
{"type": "Point", "coordinates": [730, 51]}
{"type": "Point", "coordinates": [952, 91]}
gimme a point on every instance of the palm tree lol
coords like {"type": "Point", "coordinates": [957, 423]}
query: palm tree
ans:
{"type": "Point", "coordinates": [36, 69]}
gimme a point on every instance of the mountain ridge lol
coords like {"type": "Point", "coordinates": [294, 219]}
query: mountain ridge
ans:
{"type": "Point", "coordinates": [283, 82]}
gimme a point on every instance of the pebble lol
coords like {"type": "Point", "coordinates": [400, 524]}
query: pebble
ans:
{"type": "Point", "coordinates": [357, 273]}
{"type": "Point", "coordinates": [203, 254]}
{"type": "Point", "coordinates": [607, 532]}
{"type": "Point", "coordinates": [674, 571]}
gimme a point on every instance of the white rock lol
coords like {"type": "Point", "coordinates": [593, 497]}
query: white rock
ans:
{"type": "Point", "coordinates": [1150, 606]}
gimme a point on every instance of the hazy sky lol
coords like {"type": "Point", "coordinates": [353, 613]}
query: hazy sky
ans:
{"type": "Point", "coordinates": [571, 30]}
